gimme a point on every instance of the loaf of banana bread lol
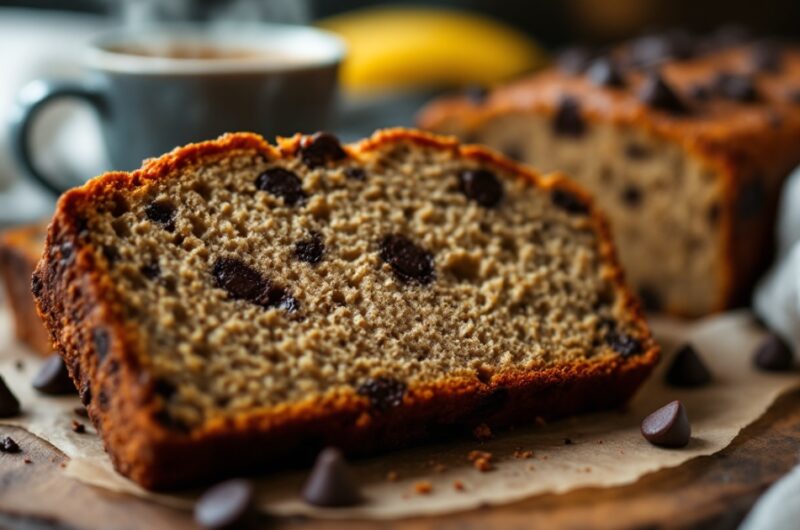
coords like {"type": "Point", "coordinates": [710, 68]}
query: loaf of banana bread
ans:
{"type": "Point", "coordinates": [232, 305]}
{"type": "Point", "coordinates": [20, 250]}
{"type": "Point", "coordinates": [684, 142]}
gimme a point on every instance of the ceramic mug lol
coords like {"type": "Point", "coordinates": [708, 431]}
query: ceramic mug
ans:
{"type": "Point", "coordinates": [160, 88]}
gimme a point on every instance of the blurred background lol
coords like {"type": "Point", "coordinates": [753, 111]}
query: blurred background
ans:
{"type": "Point", "coordinates": [400, 55]}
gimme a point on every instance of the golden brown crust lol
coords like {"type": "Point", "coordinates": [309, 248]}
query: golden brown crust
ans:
{"type": "Point", "coordinates": [754, 145]}
{"type": "Point", "coordinates": [20, 251]}
{"type": "Point", "coordinates": [74, 297]}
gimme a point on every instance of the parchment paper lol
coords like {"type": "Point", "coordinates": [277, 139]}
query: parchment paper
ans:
{"type": "Point", "coordinates": [604, 450]}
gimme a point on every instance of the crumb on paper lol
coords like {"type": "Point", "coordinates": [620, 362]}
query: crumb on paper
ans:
{"type": "Point", "coordinates": [541, 422]}
{"type": "Point", "coordinates": [523, 454]}
{"type": "Point", "coordinates": [476, 454]}
{"type": "Point", "coordinates": [28, 460]}
{"type": "Point", "coordinates": [440, 468]}
{"type": "Point", "coordinates": [423, 487]}
{"type": "Point", "coordinates": [391, 476]}
{"type": "Point", "coordinates": [567, 441]}
{"type": "Point", "coordinates": [458, 485]}
{"type": "Point", "coordinates": [482, 432]}
{"type": "Point", "coordinates": [78, 427]}
{"type": "Point", "coordinates": [531, 467]}
{"type": "Point", "coordinates": [588, 469]}
{"type": "Point", "coordinates": [483, 465]}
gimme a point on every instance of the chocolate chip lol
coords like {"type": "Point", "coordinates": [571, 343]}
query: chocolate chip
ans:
{"type": "Point", "coordinates": [767, 57]}
{"type": "Point", "coordinates": [161, 212]}
{"type": "Point", "coordinates": [567, 441]}
{"type": "Point", "coordinates": [409, 262]}
{"type": "Point", "coordinates": [631, 195]}
{"type": "Point", "coordinates": [36, 285]}
{"type": "Point", "coordinates": [751, 198]}
{"type": "Point", "coordinates": [568, 202]}
{"type": "Point", "coordinates": [227, 505]}
{"type": "Point", "coordinates": [85, 393]}
{"type": "Point", "coordinates": [668, 426]}
{"type": "Point", "coordinates": [568, 120]}
{"type": "Point", "coordinates": [738, 87]}
{"type": "Point", "coordinates": [53, 377]}
{"type": "Point", "coordinates": [476, 94]}
{"type": "Point", "coordinates": [355, 173]}
{"type": "Point", "coordinates": [574, 61]}
{"type": "Point", "coordinates": [81, 411]}
{"type": "Point", "coordinates": [9, 445]}
{"type": "Point", "coordinates": [164, 388]}
{"type": "Point", "coordinates": [651, 299]}
{"type": "Point", "coordinates": [635, 151]}
{"type": "Point", "coordinates": [687, 369]}
{"type": "Point", "coordinates": [111, 254]}
{"type": "Point", "coordinates": [319, 149]}
{"type": "Point", "coordinates": [101, 342]}
{"type": "Point", "coordinates": [773, 355]}
{"type": "Point", "coordinates": [624, 344]}
{"type": "Point", "coordinates": [78, 427]}
{"type": "Point", "coordinates": [331, 482]}
{"type": "Point", "coordinates": [151, 270]}
{"type": "Point", "coordinates": [383, 392]}
{"type": "Point", "coordinates": [310, 250]}
{"type": "Point", "coordinates": [282, 183]}
{"type": "Point", "coordinates": [482, 186]}
{"type": "Point", "coordinates": [659, 95]}
{"type": "Point", "coordinates": [9, 405]}
{"type": "Point", "coordinates": [605, 72]}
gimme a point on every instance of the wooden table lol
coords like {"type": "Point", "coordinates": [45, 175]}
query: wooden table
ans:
{"type": "Point", "coordinates": [711, 492]}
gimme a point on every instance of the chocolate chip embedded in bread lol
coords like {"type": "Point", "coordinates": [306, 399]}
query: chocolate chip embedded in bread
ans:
{"type": "Point", "coordinates": [631, 195]}
{"type": "Point", "coordinates": [9, 445]}
{"type": "Point", "coordinates": [687, 369]}
{"type": "Point", "coordinates": [319, 149]}
{"type": "Point", "coordinates": [668, 426]}
{"type": "Point", "coordinates": [482, 186]}
{"type": "Point", "coordinates": [773, 355]}
{"type": "Point", "coordinates": [658, 94]}
{"type": "Point", "coordinates": [151, 270]}
{"type": "Point", "coordinates": [569, 202]}
{"type": "Point", "coordinates": [409, 262]}
{"type": "Point", "coordinates": [9, 405]}
{"type": "Point", "coordinates": [243, 282]}
{"type": "Point", "coordinates": [310, 250]}
{"type": "Point", "coordinates": [383, 393]}
{"type": "Point", "coordinates": [53, 377]}
{"type": "Point", "coordinates": [738, 87]}
{"type": "Point", "coordinates": [331, 482]}
{"type": "Point", "coordinates": [283, 184]}
{"type": "Point", "coordinates": [624, 344]}
{"type": "Point", "coordinates": [161, 212]}
{"type": "Point", "coordinates": [355, 173]}
{"type": "Point", "coordinates": [605, 72]}
{"type": "Point", "coordinates": [227, 505]}
{"type": "Point", "coordinates": [568, 120]}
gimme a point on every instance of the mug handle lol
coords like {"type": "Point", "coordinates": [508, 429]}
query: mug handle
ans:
{"type": "Point", "coordinates": [32, 99]}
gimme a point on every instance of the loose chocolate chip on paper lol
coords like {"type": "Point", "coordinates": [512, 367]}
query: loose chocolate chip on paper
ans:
{"type": "Point", "coordinates": [687, 369]}
{"type": "Point", "coordinates": [53, 377]}
{"type": "Point", "coordinates": [773, 355]}
{"type": "Point", "coordinates": [9, 445]}
{"type": "Point", "coordinates": [331, 483]}
{"type": "Point", "coordinates": [9, 405]}
{"type": "Point", "coordinates": [668, 426]}
{"type": "Point", "coordinates": [226, 505]}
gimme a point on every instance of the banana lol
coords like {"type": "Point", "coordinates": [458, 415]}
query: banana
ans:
{"type": "Point", "coordinates": [406, 48]}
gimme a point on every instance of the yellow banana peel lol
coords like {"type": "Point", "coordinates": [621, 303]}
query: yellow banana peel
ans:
{"type": "Point", "coordinates": [403, 48]}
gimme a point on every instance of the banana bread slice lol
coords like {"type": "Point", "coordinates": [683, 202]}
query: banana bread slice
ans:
{"type": "Point", "coordinates": [684, 142]}
{"type": "Point", "coordinates": [20, 250]}
{"type": "Point", "coordinates": [232, 304]}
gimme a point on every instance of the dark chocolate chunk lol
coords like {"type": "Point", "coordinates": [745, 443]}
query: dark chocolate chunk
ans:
{"type": "Point", "coordinates": [355, 173]}
{"type": "Point", "coordinates": [53, 377]}
{"type": "Point", "coordinates": [752, 197]}
{"type": "Point", "coordinates": [242, 282]}
{"type": "Point", "coordinates": [384, 393]}
{"type": "Point", "coordinates": [161, 212]}
{"type": "Point", "coordinates": [282, 183]}
{"type": "Point", "coordinates": [605, 72]}
{"type": "Point", "coordinates": [650, 298]}
{"type": "Point", "coordinates": [567, 441]}
{"type": "Point", "coordinates": [310, 250]}
{"type": "Point", "coordinates": [773, 355]}
{"type": "Point", "coordinates": [164, 388]}
{"type": "Point", "coordinates": [624, 344]}
{"type": "Point", "coordinates": [409, 262]}
{"type": "Point", "coordinates": [575, 60]}
{"type": "Point", "coordinates": [111, 254]}
{"type": "Point", "coordinates": [482, 186]}
{"type": "Point", "coordinates": [319, 149]}
{"type": "Point", "coordinates": [738, 87]}
{"type": "Point", "coordinates": [568, 119]}
{"type": "Point", "coordinates": [78, 427]}
{"type": "Point", "coordinates": [9, 405]}
{"type": "Point", "coordinates": [631, 195]}
{"type": "Point", "coordinates": [687, 369]}
{"type": "Point", "coordinates": [668, 426]}
{"type": "Point", "coordinates": [659, 95]}
{"type": "Point", "coordinates": [331, 482]}
{"type": "Point", "coordinates": [767, 57]}
{"type": "Point", "coordinates": [101, 341]}
{"type": "Point", "coordinates": [8, 445]}
{"type": "Point", "coordinates": [36, 285]}
{"type": "Point", "coordinates": [569, 202]}
{"type": "Point", "coordinates": [476, 94]}
{"type": "Point", "coordinates": [229, 504]}
{"type": "Point", "coordinates": [151, 270]}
